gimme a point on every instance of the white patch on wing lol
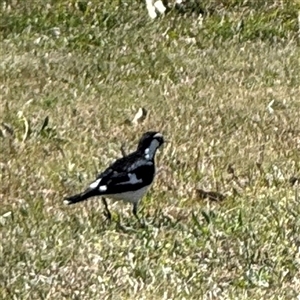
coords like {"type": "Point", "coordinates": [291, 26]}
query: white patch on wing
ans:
{"type": "Point", "coordinates": [102, 188]}
{"type": "Point", "coordinates": [94, 184]}
{"type": "Point", "coordinates": [132, 179]}
{"type": "Point", "coordinates": [131, 196]}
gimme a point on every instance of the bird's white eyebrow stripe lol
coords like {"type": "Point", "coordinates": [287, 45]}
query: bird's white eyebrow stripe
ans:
{"type": "Point", "coordinates": [158, 135]}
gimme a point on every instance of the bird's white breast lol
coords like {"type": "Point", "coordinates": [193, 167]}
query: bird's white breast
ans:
{"type": "Point", "coordinates": [130, 196]}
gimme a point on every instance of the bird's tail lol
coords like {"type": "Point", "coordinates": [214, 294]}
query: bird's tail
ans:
{"type": "Point", "coordinates": [80, 197]}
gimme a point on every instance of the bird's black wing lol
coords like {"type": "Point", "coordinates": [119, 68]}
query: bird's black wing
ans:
{"type": "Point", "coordinates": [128, 173]}
{"type": "Point", "coordinates": [120, 165]}
{"type": "Point", "coordinates": [134, 177]}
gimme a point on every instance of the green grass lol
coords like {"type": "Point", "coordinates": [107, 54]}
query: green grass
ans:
{"type": "Point", "coordinates": [224, 90]}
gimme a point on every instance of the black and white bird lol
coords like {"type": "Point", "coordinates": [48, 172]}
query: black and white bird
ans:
{"type": "Point", "coordinates": [128, 178]}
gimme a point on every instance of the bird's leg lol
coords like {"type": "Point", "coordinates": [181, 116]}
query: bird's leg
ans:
{"type": "Point", "coordinates": [107, 213]}
{"type": "Point", "coordinates": [123, 150]}
{"type": "Point", "coordinates": [134, 211]}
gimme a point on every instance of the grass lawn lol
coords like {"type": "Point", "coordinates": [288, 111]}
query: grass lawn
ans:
{"type": "Point", "coordinates": [224, 89]}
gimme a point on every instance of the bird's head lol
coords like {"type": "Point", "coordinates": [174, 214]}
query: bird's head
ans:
{"type": "Point", "coordinates": [149, 143]}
